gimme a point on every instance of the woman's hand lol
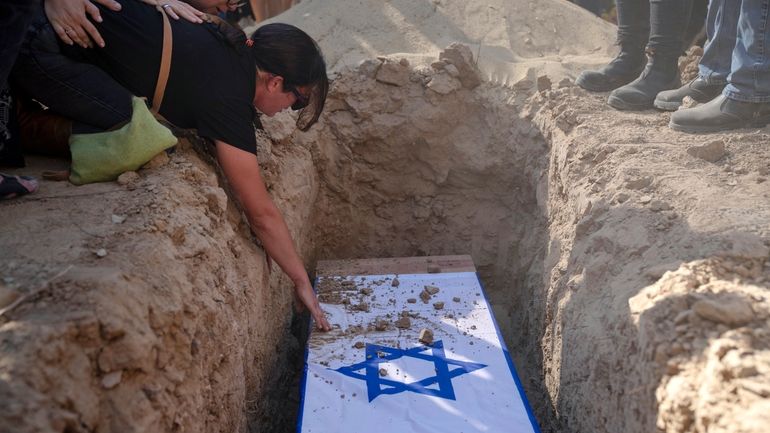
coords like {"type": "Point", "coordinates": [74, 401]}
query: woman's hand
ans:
{"type": "Point", "coordinates": [176, 9]}
{"type": "Point", "coordinates": [69, 19]}
{"type": "Point", "coordinates": [307, 297]}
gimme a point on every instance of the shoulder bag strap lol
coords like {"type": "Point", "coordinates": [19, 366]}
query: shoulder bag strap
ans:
{"type": "Point", "coordinates": [165, 62]}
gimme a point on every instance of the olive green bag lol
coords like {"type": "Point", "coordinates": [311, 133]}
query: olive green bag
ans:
{"type": "Point", "coordinates": [103, 156]}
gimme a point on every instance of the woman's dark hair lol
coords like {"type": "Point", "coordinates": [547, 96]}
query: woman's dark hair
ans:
{"type": "Point", "coordinates": [285, 50]}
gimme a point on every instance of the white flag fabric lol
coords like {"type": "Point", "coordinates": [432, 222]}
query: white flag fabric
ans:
{"type": "Point", "coordinates": [373, 374]}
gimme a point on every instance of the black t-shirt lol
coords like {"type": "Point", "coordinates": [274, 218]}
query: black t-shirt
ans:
{"type": "Point", "coordinates": [211, 82]}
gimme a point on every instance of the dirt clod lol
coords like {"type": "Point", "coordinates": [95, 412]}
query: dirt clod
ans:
{"type": "Point", "coordinates": [426, 336]}
{"type": "Point", "coordinates": [403, 323]}
{"type": "Point", "coordinates": [425, 296]}
{"type": "Point", "coordinates": [712, 151]}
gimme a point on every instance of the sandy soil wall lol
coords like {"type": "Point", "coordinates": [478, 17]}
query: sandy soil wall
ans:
{"type": "Point", "coordinates": [166, 318]}
{"type": "Point", "coordinates": [657, 274]}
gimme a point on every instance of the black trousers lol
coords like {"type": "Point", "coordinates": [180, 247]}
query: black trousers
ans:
{"type": "Point", "coordinates": [661, 25]}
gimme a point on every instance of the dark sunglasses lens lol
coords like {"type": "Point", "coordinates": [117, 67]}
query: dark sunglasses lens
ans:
{"type": "Point", "coordinates": [301, 101]}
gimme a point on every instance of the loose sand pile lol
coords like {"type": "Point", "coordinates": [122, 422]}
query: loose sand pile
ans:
{"type": "Point", "coordinates": [511, 40]}
{"type": "Point", "coordinates": [626, 263]}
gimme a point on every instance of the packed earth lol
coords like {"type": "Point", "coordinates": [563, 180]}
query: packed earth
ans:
{"type": "Point", "coordinates": [628, 265]}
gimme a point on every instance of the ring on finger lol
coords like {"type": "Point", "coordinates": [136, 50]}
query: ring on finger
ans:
{"type": "Point", "coordinates": [166, 5]}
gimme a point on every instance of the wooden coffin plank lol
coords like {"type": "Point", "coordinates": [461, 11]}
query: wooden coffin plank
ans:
{"type": "Point", "coordinates": [397, 265]}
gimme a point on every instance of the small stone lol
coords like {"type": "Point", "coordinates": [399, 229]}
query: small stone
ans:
{"type": "Point", "coordinates": [439, 64]}
{"type": "Point", "coordinates": [395, 282]}
{"type": "Point", "coordinates": [622, 197]}
{"type": "Point", "coordinates": [639, 183]}
{"type": "Point", "coordinates": [711, 152]}
{"type": "Point", "coordinates": [434, 269]}
{"type": "Point", "coordinates": [543, 83]}
{"type": "Point", "coordinates": [363, 306]}
{"type": "Point", "coordinates": [443, 84]}
{"type": "Point", "coordinates": [425, 296]}
{"type": "Point", "coordinates": [383, 372]}
{"type": "Point", "coordinates": [452, 70]}
{"type": "Point", "coordinates": [366, 291]}
{"type": "Point", "coordinates": [118, 219]}
{"type": "Point", "coordinates": [461, 57]}
{"type": "Point", "coordinates": [111, 380]}
{"type": "Point", "coordinates": [369, 67]}
{"type": "Point", "coordinates": [438, 305]}
{"type": "Point", "coordinates": [392, 72]}
{"type": "Point", "coordinates": [403, 323]}
{"type": "Point", "coordinates": [359, 345]}
{"type": "Point", "coordinates": [523, 84]}
{"type": "Point", "coordinates": [411, 300]}
{"type": "Point", "coordinates": [128, 178]}
{"type": "Point", "coordinates": [158, 160]}
{"type": "Point", "coordinates": [659, 205]}
{"type": "Point", "coordinates": [426, 336]}
{"type": "Point", "coordinates": [101, 252]}
{"type": "Point", "coordinates": [432, 289]}
{"type": "Point", "coordinates": [687, 102]}
{"type": "Point", "coordinates": [645, 199]}
{"type": "Point", "coordinates": [731, 310]}
{"type": "Point", "coordinates": [381, 325]}
{"type": "Point", "coordinates": [565, 82]}
{"type": "Point", "coordinates": [456, 299]}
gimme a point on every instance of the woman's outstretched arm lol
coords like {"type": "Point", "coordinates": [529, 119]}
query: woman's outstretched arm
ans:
{"type": "Point", "coordinates": [242, 171]}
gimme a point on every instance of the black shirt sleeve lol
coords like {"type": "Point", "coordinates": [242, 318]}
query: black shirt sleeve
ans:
{"type": "Point", "coordinates": [228, 120]}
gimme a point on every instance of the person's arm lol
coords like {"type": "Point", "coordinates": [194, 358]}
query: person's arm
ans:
{"type": "Point", "coordinates": [242, 171]}
{"type": "Point", "coordinates": [69, 18]}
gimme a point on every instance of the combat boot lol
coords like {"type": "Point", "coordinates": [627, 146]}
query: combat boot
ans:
{"type": "Point", "coordinates": [661, 73]}
{"type": "Point", "coordinates": [697, 89]}
{"type": "Point", "coordinates": [626, 66]}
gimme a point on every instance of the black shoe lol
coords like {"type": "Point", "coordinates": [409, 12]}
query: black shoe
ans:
{"type": "Point", "coordinates": [661, 73]}
{"type": "Point", "coordinates": [721, 114]}
{"type": "Point", "coordinates": [698, 89]}
{"type": "Point", "coordinates": [620, 71]}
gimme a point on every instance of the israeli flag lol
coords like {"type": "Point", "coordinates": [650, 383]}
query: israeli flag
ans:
{"type": "Point", "coordinates": [410, 353]}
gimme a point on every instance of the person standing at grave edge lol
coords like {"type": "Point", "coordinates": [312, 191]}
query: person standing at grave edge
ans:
{"type": "Point", "coordinates": [734, 71]}
{"type": "Point", "coordinates": [655, 27]}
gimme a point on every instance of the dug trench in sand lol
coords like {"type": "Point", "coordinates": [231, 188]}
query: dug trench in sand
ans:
{"type": "Point", "coordinates": [627, 264]}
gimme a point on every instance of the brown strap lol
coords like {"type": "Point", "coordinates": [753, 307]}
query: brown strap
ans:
{"type": "Point", "coordinates": [165, 63]}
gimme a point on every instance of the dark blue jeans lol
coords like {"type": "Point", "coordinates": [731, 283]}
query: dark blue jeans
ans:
{"type": "Point", "coordinates": [660, 24]}
{"type": "Point", "coordinates": [738, 50]}
{"type": "Point", "coordinates": [66, 80]}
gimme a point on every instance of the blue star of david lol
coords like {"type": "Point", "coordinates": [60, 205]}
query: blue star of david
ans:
{"type": "Point", "coordinates": [376, 385]}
